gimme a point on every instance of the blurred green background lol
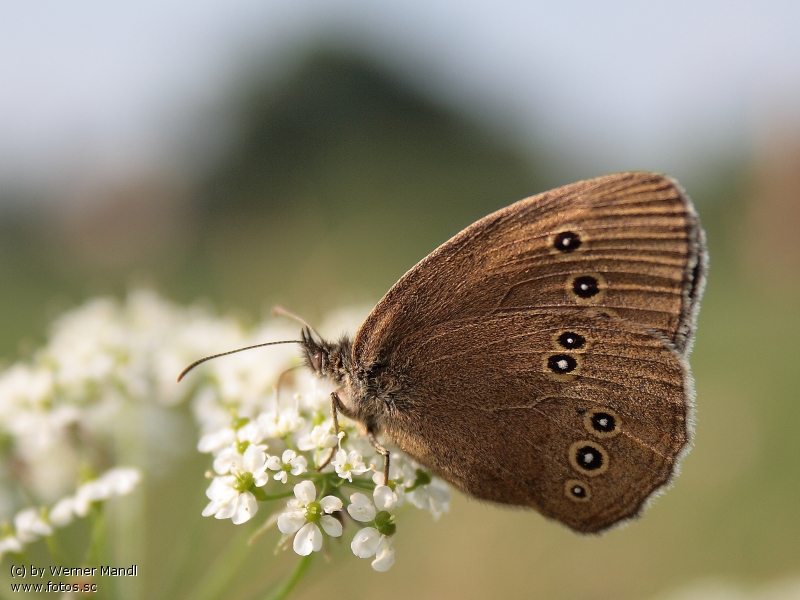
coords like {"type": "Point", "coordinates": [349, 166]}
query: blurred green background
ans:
{"type": "Point", "coordinates": [339, 175]}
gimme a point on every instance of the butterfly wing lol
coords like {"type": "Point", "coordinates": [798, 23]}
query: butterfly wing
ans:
{"type": "Point", "coordinates": [463, 353]}
{"type": "Point", "coordinates": [576, 413]}
{"type": "Point", "coordinates": [629, 242]}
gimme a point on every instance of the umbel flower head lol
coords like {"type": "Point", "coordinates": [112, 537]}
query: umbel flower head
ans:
{"type": "Point", "coordinates": [265, 424]}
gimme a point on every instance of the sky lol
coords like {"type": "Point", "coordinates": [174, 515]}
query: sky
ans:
{"type": "Point", "coordinates": [112, 89]}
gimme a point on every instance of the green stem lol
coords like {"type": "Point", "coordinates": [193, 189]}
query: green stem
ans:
{"type": "Point", "coordinates": [98, 536]}
{"type": "Point", "coordinates": [288, 494]}
{"type": "Point", "coordinates": [224, 570]}
{"type": "Point", "coordinates": [285, 588]}
{"type": "Point", "coordinates": [55, 552]}
{"type": "Point", "coordinates": [360, 485]}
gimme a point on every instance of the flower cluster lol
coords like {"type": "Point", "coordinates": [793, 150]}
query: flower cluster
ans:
{"type": "Point", "coordinates": [64, 411]}
{"type": "Point", "coordinates": [265, 422]}
{"type": "Point", "coordinates": [61, 411]}
{"type": "Point", "coordinates": [31, 524]}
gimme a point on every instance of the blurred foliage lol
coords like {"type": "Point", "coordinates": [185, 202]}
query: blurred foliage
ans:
{"type": "Point", "coordinates": [336, 180]}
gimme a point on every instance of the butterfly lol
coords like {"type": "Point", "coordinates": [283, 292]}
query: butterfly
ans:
{"type": "Point", "coordinates": [539, 358]}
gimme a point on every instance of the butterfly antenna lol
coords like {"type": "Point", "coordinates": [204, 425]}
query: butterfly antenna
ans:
{"type": "Point", "coordinates": [202, 360]}
{"type": "Point", "coordinates": [279, 310]}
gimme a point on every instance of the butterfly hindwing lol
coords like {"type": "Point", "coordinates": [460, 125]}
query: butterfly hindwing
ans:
{"type": "Point", "coordinates": [519, 415]}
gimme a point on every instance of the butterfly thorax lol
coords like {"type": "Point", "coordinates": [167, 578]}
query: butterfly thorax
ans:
{"type": "Point", "coordinates": [364, 391]}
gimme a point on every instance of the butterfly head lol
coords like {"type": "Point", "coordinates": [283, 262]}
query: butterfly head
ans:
{"type": "Point", "coordinates": [324, 358]}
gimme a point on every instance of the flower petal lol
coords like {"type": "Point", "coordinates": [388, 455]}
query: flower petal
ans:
{"type": "Point", "coordinates": [30, 526]}
{"type": "Point", "coordinates": [221, 489]}
{"type": "Point", "coordinates": [251, 432]}
{"type": "Point", "coordinates": [216, 440]}
{"type": "Point", "coordinates": [246, 508]}
{"type": "Point", "coordinates": [365, 543]}
{"type": "Point", "coordinates": [61, 514]}
{"type": "Point", "coordinates": [226, 511]}
{"type": "Point", "coordinates": [361, 508]}
{"type": "Point", "coordinates": [341, 457]}
{"type": "Point", "coordinates": [212, 508]}
{"type": "Point", "coordinates": [305, 491]}
{"type": "Point", "coordinates": [384, 557]}
{"type": "Point", "coordinates": [254, 459]}
{"type": "Point", "coordinates": [299, 465]}
{"type": "Point", "coordinates": [291, 521]}
{"type": "Point", "coordinates": [385, 498]}
{"type": "Point", "coordinates": [10, 544]}
{"type": "Point", "coordinates": [330, 504]}
{"type": "Point", "coordinates": [122, 480]}
{"type": "Point", "coordinates": [331, 525]}
{"type": "Point", "coordinates": [307, 540]}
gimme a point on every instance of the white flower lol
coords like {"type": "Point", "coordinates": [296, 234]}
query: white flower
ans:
{"type": "Point", "coordinates": [254, 462]}
{"type": "Point", "coordinates": [229, 502]}
{"type": "Point", "coordinates": [118, 481]}
{"type": "Point", "coordinates": [280, 423]}
{"type": "Point", "coordinates": [30, 526]}
{"type": "Point", "coordinates": [384, 557]}
{"type": "Point", "coordinates": [362, 509]}
{"type": "Point", "coordinates": [347, 465]}
{"type": "Point", "coordinates": [63, 512]}
{"type": "Point", "coordinates": [230, 459]}
{"type": "Point", "coordinates": [288, 463]}
{"type": "Point", "coordinates": [215, 441]}
{"type": "Point", "coordinates": [9, 544]}
{"type": "Point", "coordinates": [320, 438]}
{"type": "Point", "coordinates": [396, 477]}
{"type": "Point", "coordinates": [433, 497]}
{"type": "Point", "coordinates": [91, 491]}
{"type": "Point", "coordinates": [375, 541]}
{"type": "Point", "coordinates": [370, 542]}
{"type": "Point", "coordinates": [302, 515]}
{"type": "Point", "coordinates": [230, 496]}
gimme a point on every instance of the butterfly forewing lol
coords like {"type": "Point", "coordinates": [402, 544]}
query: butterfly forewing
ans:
{"type": "Point", "coordinates": [633, 246]}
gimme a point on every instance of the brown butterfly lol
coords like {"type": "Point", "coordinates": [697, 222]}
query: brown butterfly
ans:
{"type": "Point", "coordinates": [539, 357]}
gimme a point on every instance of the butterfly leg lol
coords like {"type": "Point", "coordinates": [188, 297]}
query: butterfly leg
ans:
{"type": "Point", "coordinates": [383, 452]}
{"type": "Point", "coordinates": [281, 379]}
{"type": "Point", "coordinates": [336, 406]}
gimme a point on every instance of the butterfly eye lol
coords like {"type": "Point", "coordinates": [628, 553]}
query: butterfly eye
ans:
{"type": "Point", "coordinates": [316, 360]}
{"type": "Point", "coordinates": [567, 241]}
{"type": "Point", "coordinates": [588, 458]}
{"type": "Point", "coordinates": [577, 490]}
{"type": "Point", "coordinates": [571, 341]}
